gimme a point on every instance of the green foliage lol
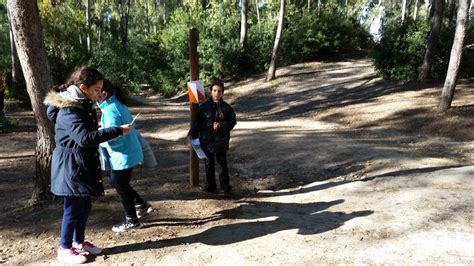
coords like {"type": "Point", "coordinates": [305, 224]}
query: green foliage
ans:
{"type": "Point", "coordinates": [174, 43]}
{"type": "Point", "coordinates": [399, 54]}
{"type": "Point", "coordinates": [218, 44]}
{"type": "Point", "coordinates": [157, 48]}
{"type": "Point", "coordinates": [312, 35]}
{"type": "Point", "coordinates": [401, 50]}
{"type": "Point", "coordinates": [65, 38]}
{"type": "Point", "coordinates": [130, 65]}
{"type": "Point", "coordinates": [261, 37]}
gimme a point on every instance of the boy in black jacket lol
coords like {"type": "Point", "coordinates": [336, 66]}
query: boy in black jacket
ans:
{"type": "Point", "coordinates": [215, 120]}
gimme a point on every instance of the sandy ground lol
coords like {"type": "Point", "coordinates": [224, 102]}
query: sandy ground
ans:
{"type": "Point", "coordinates": [330, 165]}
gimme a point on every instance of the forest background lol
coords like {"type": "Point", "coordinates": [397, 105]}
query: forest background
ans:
{"type": "Point", "coordinates": [144, 44]}
{"type": "Point", "coordinates": [136, 42]}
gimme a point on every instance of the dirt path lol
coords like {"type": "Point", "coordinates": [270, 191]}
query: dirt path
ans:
{"type": "Point", "coordinates": [330, 165]}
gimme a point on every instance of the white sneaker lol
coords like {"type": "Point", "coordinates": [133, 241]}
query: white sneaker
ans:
{"type": "Point", "coordinates": [143, 209]}
{"type": "Point", "coordinates": [126, 225]}
{"type": "Point", "coordinates": [70, 255]}
{"type": "Point", "coordinates": [87, 247]}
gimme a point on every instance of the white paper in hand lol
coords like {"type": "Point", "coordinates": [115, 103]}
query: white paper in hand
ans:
{"type": "Point", "coordinates": [133, 121]}
{"type": "Point", "coordinates": [197, 148]}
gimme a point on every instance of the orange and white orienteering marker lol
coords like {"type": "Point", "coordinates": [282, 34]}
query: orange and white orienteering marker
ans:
{"type": "Point", "coordinates": [196, 91]}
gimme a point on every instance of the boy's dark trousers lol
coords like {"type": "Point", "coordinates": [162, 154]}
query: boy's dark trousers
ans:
{"type": "Point", "coordinates": [120, 180]}
{"type": "Point", "coordinates": [221, 158]}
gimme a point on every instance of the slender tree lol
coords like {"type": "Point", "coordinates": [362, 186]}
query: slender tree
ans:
{"type": "Point", "coordinates": [28, 35]}
{"type": "Point", "coordinates": [124, 17]}
{"type": "Point", "coordinates": [243, 24]}
{"type": "Point", "coordinates": [438, 7]}
{"type": "Point", "coordinates": [415, 11]}
{"type": "Point", "coordinates": [455, 58]}
{"type": "Point", "coordinates": [88, 25]}
{"type": "Point", "coordinates": [2, 94]}
{"type": "Point", "coordinates": [14, 59]}
{"type": "Point", "coordinates": [257, 9]}
{"type": "Point", "coordinates": [272, 68]}
{"type": "Point", "coordinates": [404, 8]}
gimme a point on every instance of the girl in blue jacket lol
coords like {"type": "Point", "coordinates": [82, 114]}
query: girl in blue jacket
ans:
{"type": "Point", "coordinates": [75, 167]}
{"type": "Point", "coordinates": [124, 153]}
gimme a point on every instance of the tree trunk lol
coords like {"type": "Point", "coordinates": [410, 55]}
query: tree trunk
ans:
{"type": "Point", "coordinates": [415, 12]}
{"type": "Point", "coordinates": [28, 35]}
{"type": "Point", "coordinates": [258, 12]}
{"type": "Point", "coordinates": [272, 68]}
{"type": "Point", "coordinates": [14, 60]}
{"type": "Point", "coordinates": [124, 22]}
{"type": "Point", "coordinates": [88, 26]}
{"type": "Point", "coordinates": [243, 25]}
{"type": "Point", "coordinates": [456, 54]}
{"type": "Point", "coordinates": [404, 8]}
{"type": "Point", "coordinates": [432, 44]}
{"type": "Point", "coordinates": [2, 94]}
{"type": "Point", "coordinates": [147, 17]}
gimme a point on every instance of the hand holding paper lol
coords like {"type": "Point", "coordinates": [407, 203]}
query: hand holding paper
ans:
{"type": "Point", "coordinates": [126, 128]}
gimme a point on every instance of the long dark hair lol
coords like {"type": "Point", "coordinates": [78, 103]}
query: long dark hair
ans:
{"type": "Point", "coordinates": [113, 89]}
{"type": "Point", "coordinates": [81, 75]}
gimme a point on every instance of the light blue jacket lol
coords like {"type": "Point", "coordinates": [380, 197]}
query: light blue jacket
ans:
{"type": "Point", "coordinates": [125, 151]}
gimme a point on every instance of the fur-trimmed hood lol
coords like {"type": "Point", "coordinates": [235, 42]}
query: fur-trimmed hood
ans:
{"type": "Point", "coordinates": [72, 97]}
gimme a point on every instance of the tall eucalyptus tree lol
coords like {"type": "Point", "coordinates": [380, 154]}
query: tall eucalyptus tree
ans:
{"type": "Point", "coordinates": [28, 35]}
{"type": "Point", "coordinates": [456, 54]}
{"type": "Point", "coordinates": [273, 62]}
{"type": "Point", "coordinates": [436, 21]}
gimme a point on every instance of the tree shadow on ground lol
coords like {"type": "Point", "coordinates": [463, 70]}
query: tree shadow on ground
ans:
{"type": "Point", "coordinates": [412, 171]}
{"type": "Point", "coordinates": [308, 96]}
{"type": "Point", "coordinates": [268, 218]}
{"type": "Point", "coordinates": [455, 124]}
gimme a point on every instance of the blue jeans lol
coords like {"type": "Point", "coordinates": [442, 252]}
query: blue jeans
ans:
{"type": "Point", "coordinates": [73, 227]}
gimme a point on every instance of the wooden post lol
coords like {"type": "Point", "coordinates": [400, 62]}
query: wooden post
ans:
{"type": "Point", "coordinates": [194, 58]}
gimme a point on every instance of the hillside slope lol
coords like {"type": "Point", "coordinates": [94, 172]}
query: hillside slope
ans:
{"type": "Point", "coordinates": [330, 164]}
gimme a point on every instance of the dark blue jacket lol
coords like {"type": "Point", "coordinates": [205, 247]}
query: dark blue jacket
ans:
{"type": "Point", "coordinates": [209, 112]}
{"type": "Point", "coordinates": [75, 166]}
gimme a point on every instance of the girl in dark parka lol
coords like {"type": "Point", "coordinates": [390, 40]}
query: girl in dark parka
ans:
{"type": "Point", "coordinates": [75, 169]}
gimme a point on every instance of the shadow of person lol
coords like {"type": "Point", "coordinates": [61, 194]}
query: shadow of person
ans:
{"type": "Point", "coordinates": [264, 218]}
{"type": "Point", "coordinates": [302, 190]}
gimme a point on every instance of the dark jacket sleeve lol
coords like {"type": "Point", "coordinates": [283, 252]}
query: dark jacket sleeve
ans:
{"type": "Point", "coordinates": [196, 125]}
{"type": "Point", "coordinates": [52, 113]}
{"type": "Point", "coordinates": [84, 137]}
{"type": "Point", "coordinates": [230, 122]}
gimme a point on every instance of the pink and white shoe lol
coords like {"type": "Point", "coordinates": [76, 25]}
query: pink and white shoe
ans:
{"type": "Point", "coordinates": [87, 247]}
{"type": "Point", "coordinates": [71, 255]}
